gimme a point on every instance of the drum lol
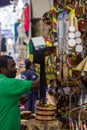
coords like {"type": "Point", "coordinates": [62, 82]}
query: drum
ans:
{"type": "Point", "coordinates": [68, 50]}
{"type": "Point", "coordinates": [71, 43]}
{"type": "Point", "coordinates": [71, 35]}
{"type": "Point", "coordinates": [72, 28]}
{"type": "Point", "coordinates": [77, 34]}
{"type": "Point", "coordinates": [78, 40]}
{"type": "Point", "coordinates": [78, 48]}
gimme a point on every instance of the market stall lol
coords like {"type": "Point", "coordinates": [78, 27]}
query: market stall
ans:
{"type": "Point", "coordinates": [63, 71]}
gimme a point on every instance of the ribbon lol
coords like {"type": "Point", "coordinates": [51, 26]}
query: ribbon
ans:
{"type": "Point", "coordinates": [72, 14]}
{"type": "Point", "coordinates": [55, 18]}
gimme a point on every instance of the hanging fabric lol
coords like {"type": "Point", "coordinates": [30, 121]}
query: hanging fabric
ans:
{"type": "Point", "coordinates": [26, 13]}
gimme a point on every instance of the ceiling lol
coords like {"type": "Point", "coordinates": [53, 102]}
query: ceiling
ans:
{"type": "Point", "coordinates": [5, 2]}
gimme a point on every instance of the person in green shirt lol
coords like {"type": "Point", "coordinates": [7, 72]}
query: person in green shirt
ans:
{"type": "Point", "coordinates": [11, 89]}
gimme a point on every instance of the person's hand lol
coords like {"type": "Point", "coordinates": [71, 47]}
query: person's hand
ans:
{"type": "Point", "coordinates": [36, 83]}
{"type": "Point", "coordinates": [23, 100]}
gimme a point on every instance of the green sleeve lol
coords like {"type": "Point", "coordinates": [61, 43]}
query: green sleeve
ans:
{"type": "Point", "coordinates": [16, 88]}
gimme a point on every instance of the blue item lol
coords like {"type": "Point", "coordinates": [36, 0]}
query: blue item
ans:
{"type": "Point", "coordinates": [15, 30]}
{"type": "Point", "coordinates": [33, 95]}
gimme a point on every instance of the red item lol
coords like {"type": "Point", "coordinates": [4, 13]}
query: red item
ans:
{"type": "Point", "coordinates": [80, 24]}
{"type": "Point", "coordinates": [27, 18]}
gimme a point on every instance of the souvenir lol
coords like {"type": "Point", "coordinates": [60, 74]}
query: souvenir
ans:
{"type": "Point", "coordinates": [61, 28]}
{"type": "Point", "coordinates": [68, 50]}
{"type": "Point", "coordinates": [85, 67]}
{"type": "Point", "coordinates": [78, 48]}
{"type": "Point", "coordinates": [71, 43]}
{"type": "Point", "coordinates": [78, 40]}
{"type": "Point", "coordinates": [74, 74]}
{"type": "Point", "coordinates": [72, 28]}
{"type": "Point", "coordinates": [82, 25]}
{"type": "Point", "coordinates": [77, 32]}
{"type": "Point", "coordinates": [71, 35]}
{"type": "Point", "coordinates": [80, 66]}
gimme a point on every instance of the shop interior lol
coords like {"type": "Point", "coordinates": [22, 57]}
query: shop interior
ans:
{"type": "Point", "coordinates": [54, 38]}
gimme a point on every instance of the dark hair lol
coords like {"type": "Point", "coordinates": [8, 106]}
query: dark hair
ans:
{"type": "Point", "coordinates": [27, 63]}
{"type": "Point", "coordinates": [3, 40]}
{"type": "Point", "coordinates": [3, 61]}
